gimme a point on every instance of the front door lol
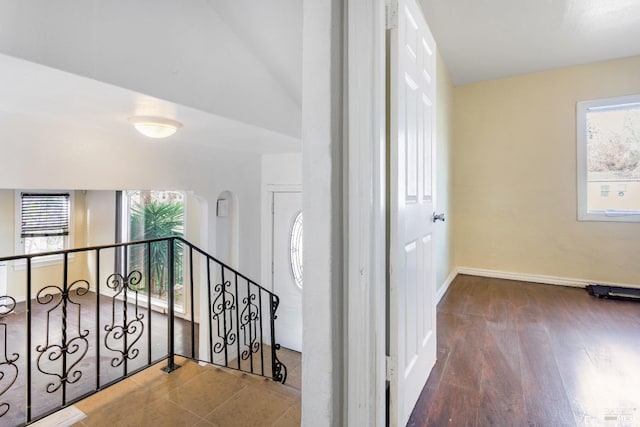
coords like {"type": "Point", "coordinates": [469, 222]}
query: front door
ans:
{"type": "Point", "coordinates": [412, 294]}
{"type": "Point", "coordinates": [287, 267]}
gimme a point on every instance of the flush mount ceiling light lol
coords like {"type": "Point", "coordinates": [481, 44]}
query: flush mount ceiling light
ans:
{"type": "Point", "coordinates": [155, 127]}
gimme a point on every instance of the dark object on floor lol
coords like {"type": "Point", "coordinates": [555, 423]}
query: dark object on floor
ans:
{"type": "Point", "coordinates": [614, 292]}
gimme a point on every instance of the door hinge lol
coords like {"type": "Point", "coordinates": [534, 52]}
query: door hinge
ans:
{"type": "Point", "coordinates": [391, 367]}
{"type": "Point", "coordinates": [391, 14]}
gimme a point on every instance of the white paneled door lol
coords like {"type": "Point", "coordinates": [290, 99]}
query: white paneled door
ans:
{"type": "Point", "coordinates": [287, 267]}
{"type": "Point", "coordinates": [412, 294]}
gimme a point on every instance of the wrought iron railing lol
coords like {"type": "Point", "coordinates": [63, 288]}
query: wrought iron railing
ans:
{"type": "Point", "coordinates": [77, 321]}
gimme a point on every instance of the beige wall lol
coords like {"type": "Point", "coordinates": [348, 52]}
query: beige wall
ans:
{"type": "Point", "coordinates": [515, 177]}
{"type": "Point", "coordinates": [444, 263]}
{"type": "Point", "coordinates": [42, 274]}
{"type": "Point", "coordinates": [93, 225]}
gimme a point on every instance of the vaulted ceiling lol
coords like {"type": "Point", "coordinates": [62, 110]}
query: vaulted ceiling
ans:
{"type": "Point", "coordinates": [229, 70]}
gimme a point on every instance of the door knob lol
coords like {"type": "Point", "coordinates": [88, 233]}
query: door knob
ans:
{"type": "Point", "coordinates": [438, 217]}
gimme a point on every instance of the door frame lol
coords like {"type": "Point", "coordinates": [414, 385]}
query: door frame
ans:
{"type": "Point", "coordinates": [365, 243]}
{"type": "Point", "coordinates": [271, 189]}
{"type": "Point", "coordinates": [344, 155]}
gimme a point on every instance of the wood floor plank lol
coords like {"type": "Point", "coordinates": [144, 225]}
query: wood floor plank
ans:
{"type": "Point", "coordinates": [545, 397]}
{"type": "Point", "coordinates": [458, 408]}
{"type": "Point", "coordinates": [464, 364]}
{"type": "Point", "coordinates": [501, 393]}
{"type": "Point", "coordinates": [525, 354]}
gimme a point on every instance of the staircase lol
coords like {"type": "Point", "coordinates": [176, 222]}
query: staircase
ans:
{"type": "Point", "coordinates": [104, 313]}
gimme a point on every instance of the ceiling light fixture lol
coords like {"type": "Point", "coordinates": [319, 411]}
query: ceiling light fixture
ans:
{"type": "Point", "coordinates": [155, 127]}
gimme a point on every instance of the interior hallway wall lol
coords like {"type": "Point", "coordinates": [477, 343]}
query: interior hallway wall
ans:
{"type": "Point", "coordinates": [443, 262]}
{"type": "Point", "coordinates": [515, 191]}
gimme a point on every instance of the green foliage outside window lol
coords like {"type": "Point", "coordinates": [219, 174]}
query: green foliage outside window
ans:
{"type": "Point", "coordinates": [157, 215]}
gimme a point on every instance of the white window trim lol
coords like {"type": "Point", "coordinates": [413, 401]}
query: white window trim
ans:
{"type": "Point", "coordinates": [124, 237]}
{"type": "Point", "coordinates": [581, 136]}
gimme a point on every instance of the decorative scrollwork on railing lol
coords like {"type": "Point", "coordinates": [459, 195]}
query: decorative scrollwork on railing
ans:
{"type": "Point", "coordinates": [8, 367]}
{"type": "Point", "coordinates": [275, 302]}
{"type": "Point", "coordinates": [133, 327]}
{"type": "Point", "coordinates": [249, 319]}
{"type": "Point", "coordinates": [279, 369]}
{"type": "Point", "coordinates": [222, 309]}
{"type": "Point", "coordinates": [72, 350]}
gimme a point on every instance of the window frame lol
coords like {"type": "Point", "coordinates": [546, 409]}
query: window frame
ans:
{"type": "Point", "coordinates": [296, 248]}
{"type": "Point", "coordinates": [124, 233]}
{"type": "Point", "coordinates": [19, 240]}
{"type": "Point", "coordinates": [582, 107]}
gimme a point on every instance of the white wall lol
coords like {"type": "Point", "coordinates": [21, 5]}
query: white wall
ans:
{"type": "Point", "coordinates": [79, 158]}
{"type": "Point", "coordinates": [101, 217]}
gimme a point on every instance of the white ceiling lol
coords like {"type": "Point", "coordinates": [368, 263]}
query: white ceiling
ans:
{"type": "Point", "coordinates": [489, 39]}
{"type": "Point", "coordinates": [272, 30]}
{"type": "Point", "coordinates": [48, 95]}
{"type": "Point", "coordinates": [230, 70]}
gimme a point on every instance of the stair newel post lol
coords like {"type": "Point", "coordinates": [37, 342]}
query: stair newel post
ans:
{"type": "Point", "coordinates": [278, 370]}
{"type": "Point", "coordinates": [171, 365]}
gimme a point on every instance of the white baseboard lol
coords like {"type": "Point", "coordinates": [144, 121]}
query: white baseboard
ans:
{"type": "Point", "coordinates": [445, 286]}
{"type": "Point", "coordinates": [538, 278]}
{"type": "Point", "coordinates": [63, 418]}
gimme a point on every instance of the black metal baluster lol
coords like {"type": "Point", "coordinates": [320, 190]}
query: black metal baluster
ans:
{"type": "Point", "coordinates": [149, 310]}
{"type": "Point", "coordinates": [209, 310]}
{"type": "Point", "coordinates": [65, 295]}
{"type": "Point", "coordinates": [250, 319]}
{"type": "Point", "coordinates": [171, 365]}
{"type": "Point", "coordinates": [28, 332]}
{"type": "Point", "coordinates": [237, 320]}
{"type": "Point", "coordinates": [273, 302]}
{"type": "Point", "coordinates": [193, 319]}
{"type": "Point", "coordinates": [261, 340]}
{"type": "Point", "coordinates": [125, 302]}
{"type": "Point", "coordinates": [97, 319]}
{"type": "Point", "coordinates": [224, 316]}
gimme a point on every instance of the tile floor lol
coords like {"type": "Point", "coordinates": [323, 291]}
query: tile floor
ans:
{"type": "Point", "coordinates": [196, 395]}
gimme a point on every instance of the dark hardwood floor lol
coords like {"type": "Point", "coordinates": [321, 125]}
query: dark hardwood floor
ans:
{"type": "Point", "coordinates": [524, 354]}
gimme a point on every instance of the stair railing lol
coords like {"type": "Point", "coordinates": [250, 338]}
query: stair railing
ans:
{"type": "Point", "coordinates": [76, 321]}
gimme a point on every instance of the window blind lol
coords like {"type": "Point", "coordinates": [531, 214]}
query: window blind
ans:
{"type": "Point", "coordinates": [44, 214]}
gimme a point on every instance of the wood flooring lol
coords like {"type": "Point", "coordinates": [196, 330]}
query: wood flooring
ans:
{"type": "Point", "coordinates": [523, 354]}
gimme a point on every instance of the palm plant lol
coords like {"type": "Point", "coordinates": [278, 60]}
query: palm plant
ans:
{"type": "Point", "coordinates": [153, 219]}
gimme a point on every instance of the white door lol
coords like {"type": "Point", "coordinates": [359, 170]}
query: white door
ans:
{"type": "Point", "coordinates": [412, 308]}
{"type": "Point", "coordinates": [287, 267]}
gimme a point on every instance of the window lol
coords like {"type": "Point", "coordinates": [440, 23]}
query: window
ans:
{"type": "Point", "coordinates": [609, 159]}
{"type": "Point", "coordinates": [44, 221]}
{"type": "Point", "coordinates": [149, 215]}
{"type": "Point", "coordinates": [295, 249]}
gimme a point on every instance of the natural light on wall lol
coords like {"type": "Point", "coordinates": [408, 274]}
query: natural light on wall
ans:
{"type": "Point", "coordinates": [609, 159]}
{"type": "Point", "coordinates": [155, 127]}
